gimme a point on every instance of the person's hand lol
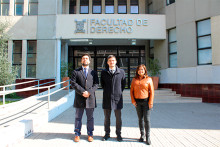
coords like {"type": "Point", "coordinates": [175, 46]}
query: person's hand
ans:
{"type": "Point", "coordinates": [135, 104]}
{"type": "Point", "coordinates": [86, 94]}
{"type": "Point", "coordinates": [150, 106]}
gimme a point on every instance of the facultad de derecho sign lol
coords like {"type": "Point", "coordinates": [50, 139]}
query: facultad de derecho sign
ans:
{"type": "Point", "coordinates": [109, 25]}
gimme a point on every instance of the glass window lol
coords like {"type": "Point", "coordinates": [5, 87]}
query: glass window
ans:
{"type": "Point", "coordinates": [17, 55]}
{"type": "Point", "coordinates": [31, 58]}
{"type": "Point", "coordinates": [151, 49]}
{"type": "Point", "coordinates": [134, 7]}
{"type": "Point", "coordinates": [4, 7]}
{"type": "Point", "coordinates": [170, 2]}
{"type": "Point", "coordinates": [109, 6]}
{"type": "Point", "coordinates": [33, 7]}
{"type": "Point", "coordinates": [150, 8]}
{"type": "Point", "coordinates": [97, 6]}
{"type": "Point", "coordinates": [84, 6]}
{"type": "Point", "coordinates": [72, 7]}
{"type": "Point", "coordinates": [172, 48]}
{"type": "Point", "coordinates": [19, 7]}
{"type": "Point", "coordinates": [122, 6]}
{"type": "Point", "coordinates": [204, 42]}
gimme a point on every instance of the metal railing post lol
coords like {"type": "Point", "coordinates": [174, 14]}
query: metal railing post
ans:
{"type": "Point", "coordinates": [38, 86]}
{"type": "Point", "coordinates": [3, 95]}
{"type": "Point", "coordinates": [68, 86]}
{"type": "Point", "coordinates": [48, 97]}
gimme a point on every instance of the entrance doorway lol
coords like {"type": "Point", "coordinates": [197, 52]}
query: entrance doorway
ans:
{"type": "Point", "coordinates": [128, 58]}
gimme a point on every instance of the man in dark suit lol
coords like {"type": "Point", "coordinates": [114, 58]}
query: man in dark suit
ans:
{"type": "Point", "coordinates": [113, 84]}
{"type": "Point", "coordinates": [85, 81]}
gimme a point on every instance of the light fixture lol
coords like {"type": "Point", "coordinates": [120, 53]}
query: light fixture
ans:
{"type": "Point", "coordinates": [79, 40]}
{"type": "Point", "coordinates": [133, 42]}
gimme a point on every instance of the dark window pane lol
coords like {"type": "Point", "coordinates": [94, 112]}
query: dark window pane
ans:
{"type": "Point", "coordinates": [134, 2]}
{"type": "Point", "coordinates": [72, 9]}
{"type": "Point", "coordinates": [19, 9]}
{"type": "Point", "coordinates": [122, 2]}
{"type": "Point", "coordinates": [109, 2]}
{"type": "Point", "coordinates": [97, 2]}
{"type": "Point", "coordinates": [84, 2]}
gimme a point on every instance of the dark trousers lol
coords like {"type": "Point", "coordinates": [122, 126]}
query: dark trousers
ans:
{"type": "Point", "coordinates": [143, 112]}
{"type": "Point", "coordinates": [78, 120]}
{"type": "Point", "coordinates": [107, 113]}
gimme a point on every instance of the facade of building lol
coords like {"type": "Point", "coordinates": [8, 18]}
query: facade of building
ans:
{"type": "Point", "coordinates": [183, 35]}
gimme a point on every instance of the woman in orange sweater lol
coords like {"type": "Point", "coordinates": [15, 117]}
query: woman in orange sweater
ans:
{"type": "Point", "coordinates": [142, 97]}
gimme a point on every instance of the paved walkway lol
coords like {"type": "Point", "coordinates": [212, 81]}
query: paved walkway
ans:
{"type": "Point", "coordinates": [174, 122]}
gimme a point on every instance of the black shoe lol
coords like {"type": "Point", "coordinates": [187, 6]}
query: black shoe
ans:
{"type": "Point", "coordinates": [106, 137]}
{"type": "Point", "coordinates": [148, 142]}
{"type": "Point", "coordinates": [141, 139]}
{"type": "Point", "coordinates": [119, 138]}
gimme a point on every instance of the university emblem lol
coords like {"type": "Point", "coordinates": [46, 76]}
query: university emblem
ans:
{"type": "Point", "coordinates": [80, 26]}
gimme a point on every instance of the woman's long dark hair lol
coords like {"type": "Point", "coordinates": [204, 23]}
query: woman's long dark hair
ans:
{"type": "Point", "coordinates": [145, 69]}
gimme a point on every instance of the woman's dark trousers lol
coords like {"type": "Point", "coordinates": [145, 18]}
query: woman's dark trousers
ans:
{"type": "Point", "coordinates": [143, 112]}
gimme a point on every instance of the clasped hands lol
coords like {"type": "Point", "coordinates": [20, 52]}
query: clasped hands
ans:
{"type": "Point", "coordinates": [86, 94]}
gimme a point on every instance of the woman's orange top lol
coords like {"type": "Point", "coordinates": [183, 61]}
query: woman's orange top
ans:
{"type": "Point", "coordinates": [141, 89]}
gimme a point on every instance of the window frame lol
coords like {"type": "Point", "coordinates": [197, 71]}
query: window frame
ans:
{"type": "Point", "coordinates": [35, 3]}
{"type": "Point", "coordinates": [96, 5]}
{"type": "Point", "coordinates": [1, 6]}
{"type": "Point", "coordinates": [135, 5]}
{"type": "Point", "coordinates": [126, 11]}
{"type": "Point", "coordinates": [197, 41]}
{"type": "Point", "coordinates": [34, 53]}
{"type": "Point", "coordinates": [110, 5]}
{"type": "Point", "coordinates": [173, 53]}
{"type": "Point", "coordinates": [20, 53]}
{"type": "Point", "coordinates": [72, 6]}
{"type": "Point", "coordinates": [151, 48]}
{"type": "Point", "coordinates": [81, 7]}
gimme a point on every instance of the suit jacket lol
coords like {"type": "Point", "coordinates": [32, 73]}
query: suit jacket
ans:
{"type": "Point", "coordinates": [113, 86]}
{"type": "Point", "coordinates": [80, 83]}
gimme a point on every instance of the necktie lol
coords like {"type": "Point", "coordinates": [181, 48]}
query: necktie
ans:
{"type": "Point", "coordinates": [112, 71]}
{"type": "Point", "coordinates": [85, 72]}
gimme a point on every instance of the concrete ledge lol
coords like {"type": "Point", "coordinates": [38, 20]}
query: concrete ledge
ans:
{"type": "Point", "coordinates": [19, 130]}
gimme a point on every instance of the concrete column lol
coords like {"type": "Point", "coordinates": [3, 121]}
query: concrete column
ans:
{"type": "Point", "coordinates": [10, 50]}
{"type": "Point", "coordinates": [11, 8]}
{"type": "Point", "coordinates": [58, 61]}
{"type": "Point", "coordinates": [77, 6]}
{"type": "Point", "coordinates": [103, 6]}
{"type": "Point", "coordinates": [24, 59]}
{"type": "Point", "coordinates": [90, 7]}
{"type": "Point", "coordinates": [59, 6]}
{"type": "Point", "coordinates": [25, 10]}
{"type": "Point", "coordinates": [116, 6]}
{"type": "Point", "coordinates": [128, 6]}
{"type": "Point", "coordinates": [142, 6]}
{"type": "Point", "coordinates": [66, 6]}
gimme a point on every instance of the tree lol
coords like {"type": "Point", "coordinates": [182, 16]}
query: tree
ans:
{"type": "Point", "coordinates": [8, 73]}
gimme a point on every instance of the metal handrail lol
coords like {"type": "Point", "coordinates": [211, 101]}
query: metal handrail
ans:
{"type": "Point", "coordinates": [32, 88]}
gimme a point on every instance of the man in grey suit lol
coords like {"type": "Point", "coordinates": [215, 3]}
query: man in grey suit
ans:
{"type": "Point", "coordinates": [85, 81]}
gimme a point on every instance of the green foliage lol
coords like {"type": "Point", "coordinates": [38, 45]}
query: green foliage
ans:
{"type": "Point", "coordinates": [63, 69]}
{"type": "Point", "coordinates": [154, 67]}
{"type": "Point", "coordinates": [70, 69]}
{"type": "Point", "coordinates": [13, 96]}
{"type": "Point", "coordinates": [8, 73]}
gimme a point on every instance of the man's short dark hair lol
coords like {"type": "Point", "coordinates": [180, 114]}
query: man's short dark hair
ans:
{"type": "Point", "coordinates": [86, 54]}
{"type": "Point", "coordinates": [111, 56]}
